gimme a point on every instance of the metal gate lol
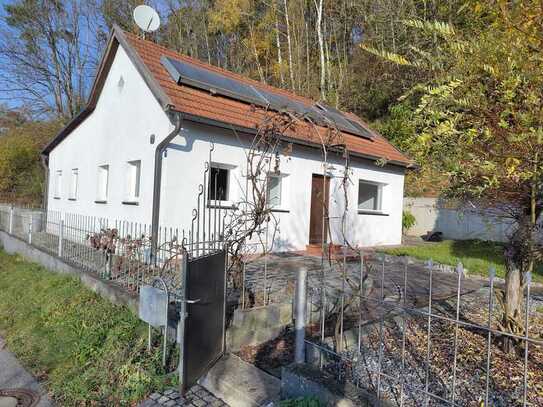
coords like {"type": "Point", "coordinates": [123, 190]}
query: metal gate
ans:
{"type": "Point", "coordinates": [203, 334]}
{"type": "Point", "coordinates": [201, 331]}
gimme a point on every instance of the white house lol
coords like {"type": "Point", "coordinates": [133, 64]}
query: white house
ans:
{"type": "Point", "coordinates": [137, 151]}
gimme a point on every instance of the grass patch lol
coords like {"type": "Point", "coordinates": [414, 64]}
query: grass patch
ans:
{"type": "Point", "coordinates": [86, 350]}
{"type": "Point", "coordinates": [476, 255]}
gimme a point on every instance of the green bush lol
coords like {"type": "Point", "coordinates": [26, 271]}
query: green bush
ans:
{"type": "Point", "coordinates": [408, 221]}
{"type": "Point", "coordinates": [21, 173]}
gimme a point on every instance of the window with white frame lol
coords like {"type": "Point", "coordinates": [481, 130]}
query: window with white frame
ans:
{"type": "Point", "coordinates": [219, 180]}
{"type": "Point", "coordinates": [274, 190]}
{"type": "Point", "coordinates": [370, 196]}
{"type": "Point", "coordinates": [74, 184]}
{"type": "Point", "coordinates": [58, 184]}
{"type": "Point", "coordinates": [133, 175]}
{"type": "Point", "coordinates": [102, 184]}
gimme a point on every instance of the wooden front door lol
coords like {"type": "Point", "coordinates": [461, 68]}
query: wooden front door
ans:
{"type": "Point", "coordinates": [318, 218]}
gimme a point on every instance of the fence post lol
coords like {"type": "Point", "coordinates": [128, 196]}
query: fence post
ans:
{"type": "Point", "coordinates": [60, 237]}
{"type": "Point", "coordinates": [181, 324]}
{"type": "Point", "coordinates": [30, 230]}
{"type": "Point", "coordinates": [11, 220]}
{"type": "Point", "coordinates": [299, 356]}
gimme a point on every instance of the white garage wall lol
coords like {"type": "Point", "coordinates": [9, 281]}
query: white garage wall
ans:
{"type": "Point", "coordinates": [434, 215]}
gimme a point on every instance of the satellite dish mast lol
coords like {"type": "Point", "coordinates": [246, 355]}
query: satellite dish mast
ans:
{"type": "Point", "coordinates": [146, 18]}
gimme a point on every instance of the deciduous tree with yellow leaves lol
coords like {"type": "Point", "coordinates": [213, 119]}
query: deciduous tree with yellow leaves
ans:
{"type": "Point", "coordinates": [479, 119]}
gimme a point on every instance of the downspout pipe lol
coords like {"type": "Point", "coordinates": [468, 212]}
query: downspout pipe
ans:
{"type": "Point", "coordinates": [159, 153]}
{"type": "Point", "coordinates": [44, 159]}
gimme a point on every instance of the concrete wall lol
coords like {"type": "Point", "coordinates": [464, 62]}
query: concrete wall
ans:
{"type": "Point", "coordinates": [433, 215]}
{"type": "Point", "coordinates": [119, 131]}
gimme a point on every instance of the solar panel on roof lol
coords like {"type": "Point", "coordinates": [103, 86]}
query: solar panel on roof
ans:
{"type": "Point", "coordinates": [205, 79]}
{"type": "Point", "coordinates": [364, 132]}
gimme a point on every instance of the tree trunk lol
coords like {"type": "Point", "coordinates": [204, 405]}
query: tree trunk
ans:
{"type": "Point", "coordinates": [279, 55]}
{"type": "Point", "coordinates": [512, 303]}
{"type": "Point", "coordinates": [289, 43]}
{"type": "Point", "coordinates": [257, 59]}
{"type": "Point", "coordinates": [318, 7]}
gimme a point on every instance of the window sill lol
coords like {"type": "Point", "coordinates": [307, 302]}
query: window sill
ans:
{"type": "Point", "coordinates": [280, 210]}
{"type": "Point", "coordinates": [221, 205]}
{"type": "Point", "coordinates": [367, 212]}
{"type": "Point", "coordinates": [100, 201]}
{"type": "Point", "coordinates": [135, 203]}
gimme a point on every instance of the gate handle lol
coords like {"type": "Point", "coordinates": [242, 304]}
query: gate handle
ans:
{"type": "Point", "coordinates": [193, 301]}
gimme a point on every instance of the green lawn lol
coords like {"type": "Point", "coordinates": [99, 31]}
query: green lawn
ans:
{"type": "Point", "coordinates": [476, 255]}
{"type": "Point", "coordinates": [85, 349]}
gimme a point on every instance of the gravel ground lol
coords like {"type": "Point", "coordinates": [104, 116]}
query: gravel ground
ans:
{"type": "Point", "coordinates": [506, 379]}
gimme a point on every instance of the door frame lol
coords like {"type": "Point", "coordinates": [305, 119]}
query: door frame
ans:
{"type": "Point", "coordinates": [325, 224]}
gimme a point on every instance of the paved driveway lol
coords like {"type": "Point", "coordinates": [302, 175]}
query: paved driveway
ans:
{"type": "Point", "coordinates": [275, 276]}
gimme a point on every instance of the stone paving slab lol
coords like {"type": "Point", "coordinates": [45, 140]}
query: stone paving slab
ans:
{"type": "Point", "coordinates": [197, 396]}
{"type": "Point", "coordinates": [275, 275]}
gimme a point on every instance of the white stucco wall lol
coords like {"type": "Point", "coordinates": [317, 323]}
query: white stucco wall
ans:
{"type": "Point", "coordinates": [183, 172]}
{"type": "Point", "coordinates": [119, 131]}
{"type": "Point", "coordinates": [116, 132]}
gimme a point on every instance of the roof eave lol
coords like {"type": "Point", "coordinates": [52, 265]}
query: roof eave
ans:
{"type": "Point", "coordinates": [252, 131]}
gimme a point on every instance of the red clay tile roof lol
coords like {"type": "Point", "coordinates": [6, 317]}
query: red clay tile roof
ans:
{"type": "Point", "coordinates": [203, 104]}
{"type": "Point", "coordinates": [218, 108]}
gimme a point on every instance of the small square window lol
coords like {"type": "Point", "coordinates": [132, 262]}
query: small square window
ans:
{"type": "Point", "coordinates": [369, 196]}
{"type": "Point", "coordinates": [274, 190]}
{"type": "Point", "coordinates": [102, 185]}
{"type": "Point", "coordinates": [218, 184]}
{"type": "Point", "coordinates": [133, 180]}
{"type": "Point", "coordinates": [58, 183]}
{"type": "Point", "coordinates": [74, 184]}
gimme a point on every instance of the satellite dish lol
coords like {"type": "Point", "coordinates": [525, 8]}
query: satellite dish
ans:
{"type": "Point", "coordinates": [146, 18]}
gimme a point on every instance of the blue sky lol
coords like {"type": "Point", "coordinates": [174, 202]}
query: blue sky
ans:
{"type": "Point", "coordinates": [12, 100]}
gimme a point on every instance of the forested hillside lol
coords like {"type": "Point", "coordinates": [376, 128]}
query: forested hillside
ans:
{"type": "Point", "coordinates": [385, 60]}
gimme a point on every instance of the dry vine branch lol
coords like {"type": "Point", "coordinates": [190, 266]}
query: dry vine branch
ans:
{"type": "Point", "coordinates": [253, 216]}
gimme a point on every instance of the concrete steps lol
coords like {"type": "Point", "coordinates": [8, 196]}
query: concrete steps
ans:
{"type": "Point", "coordinates": [336, 252]}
